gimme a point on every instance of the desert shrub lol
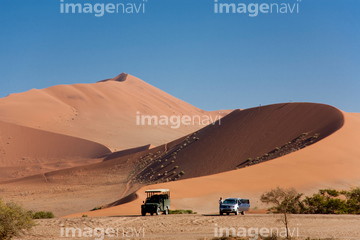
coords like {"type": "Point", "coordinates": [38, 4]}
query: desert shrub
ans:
{"type": "Point", "coordinates": [181, 211]}
{"type": "Point", "coordinates": [352, 200]}
{"type": "Point", "coordinates": [182, 173]}
{"type": "Point", "coordinates": [42, 214]}
{"type": "Point", "coordinates": [14, 220]}
{"type": "Point", "coordinates": [326, 201]}
{"type": "Point", "coordinates": [285, 201]}
{"type": "Point", "coordinates": [101, 207]}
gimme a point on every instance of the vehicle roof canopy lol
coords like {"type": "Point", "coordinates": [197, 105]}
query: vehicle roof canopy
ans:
{"type": "Point", "coordinates": [157, 191]}
{"type": "Point", "coordinates": [236, 199]}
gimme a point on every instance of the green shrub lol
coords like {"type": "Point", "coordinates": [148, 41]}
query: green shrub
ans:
{"type": "Point", "coordinates": [181, 211]}
{"type": "Point", "coordinates": [42, 214]}
{"type": "Point", "coordinates": [326, 201]}
{"type": "Point", "coordinates": [14, 220]}
{"type": "Point", "coordinates": [101, 207]}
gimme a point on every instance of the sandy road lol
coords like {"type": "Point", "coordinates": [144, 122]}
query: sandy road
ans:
{"type": "Point", "coordinates": [195, 227]}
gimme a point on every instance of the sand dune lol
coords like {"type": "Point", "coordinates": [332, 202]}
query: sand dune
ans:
{"type": "Point", "coordinates": [103, 112]}
{"type": "Point", "coordinates": [330, 163]}
{"type": "Point", "coordinates": [250, 133]}
{"type": "Point", "coordinates": [26, 151]}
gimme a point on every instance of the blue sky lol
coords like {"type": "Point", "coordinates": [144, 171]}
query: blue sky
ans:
{"type": "Point", "coordinates": [213, 61]}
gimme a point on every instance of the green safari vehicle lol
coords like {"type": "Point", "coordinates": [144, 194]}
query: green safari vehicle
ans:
{"type": "Point", "coordinates": [157, 201]}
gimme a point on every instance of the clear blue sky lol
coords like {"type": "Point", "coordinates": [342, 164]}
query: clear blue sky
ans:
{"type": "Point", "coordinates": [213, 61]}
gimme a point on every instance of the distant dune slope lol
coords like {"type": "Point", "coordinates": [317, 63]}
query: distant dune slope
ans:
{"type": "Point", "coordinates": [103, 112]}
{"type": "Point", "coordinates": [241, 135]}
{"type": "Point", "coordinates": [22, 146]}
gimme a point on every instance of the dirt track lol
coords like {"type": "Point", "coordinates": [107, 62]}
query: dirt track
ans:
{"type": "Point", "coordinates": [198, 226]}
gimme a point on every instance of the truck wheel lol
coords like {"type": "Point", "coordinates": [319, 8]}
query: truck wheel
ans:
{"type": "Point", "coordinates": [151, 213]}
{"type": "Point", "coordinates": [242, 213]}
{"type": "Point", "coordinates": [158, 211]}
{"type": "Point", "coordinates": [221, 213]}
{"type": "Point", "coordinates": [166, 212]}
{"type": "Point", "coordinates": [227, 213]}
{"type": "Point", "coordinates": [143, 213]}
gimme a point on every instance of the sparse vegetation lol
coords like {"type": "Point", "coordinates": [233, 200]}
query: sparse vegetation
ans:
{"type": "Point", "coordinates": [285, 201]}
{"type": "Point", "coordinates": [96, 208]}
{"type": "Point", "coordinates": [42, 214]}
{"type": "Point", "coordinates": [326, 201]}
{"type": "Point", "coordinates": [296, 144]}
{"type": "Point", "coordinates": [14, 220]}
{"type": "Point", "coordinates": [181, 211]}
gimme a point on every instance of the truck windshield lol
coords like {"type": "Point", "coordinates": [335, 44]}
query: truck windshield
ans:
{"type": "Point", "coordinates": [230, 201]}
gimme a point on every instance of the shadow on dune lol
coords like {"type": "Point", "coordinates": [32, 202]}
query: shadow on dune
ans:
{"type": "Point", "coordinates": [131, 197]}
{"type": "Point", "coordinates": [241, 135]}
{"type": "Point", "coordinates": [127, 152]}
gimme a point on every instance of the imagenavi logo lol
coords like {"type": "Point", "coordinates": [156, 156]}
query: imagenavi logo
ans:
{"type": "Point", "coordinates": [254, 9]}
{"type": "Point", "coordinates": [100, 9]}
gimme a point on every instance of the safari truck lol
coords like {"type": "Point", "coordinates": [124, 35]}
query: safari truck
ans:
{"type": "Point", "coordinates": [157, 201]}
{"type": "Point", "coordinates": [234, 205]}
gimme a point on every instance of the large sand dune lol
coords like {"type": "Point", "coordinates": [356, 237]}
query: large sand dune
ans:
{"type": "Point", "coordinates": [330, 163]}
{"type": "Point", "coordinates": [241, 135]}
{"type": "Point", "coordinates": [103, 112]}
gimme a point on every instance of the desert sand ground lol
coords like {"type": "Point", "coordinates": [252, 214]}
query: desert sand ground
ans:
{"type": "Point", "coordinates": [340, 227]}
